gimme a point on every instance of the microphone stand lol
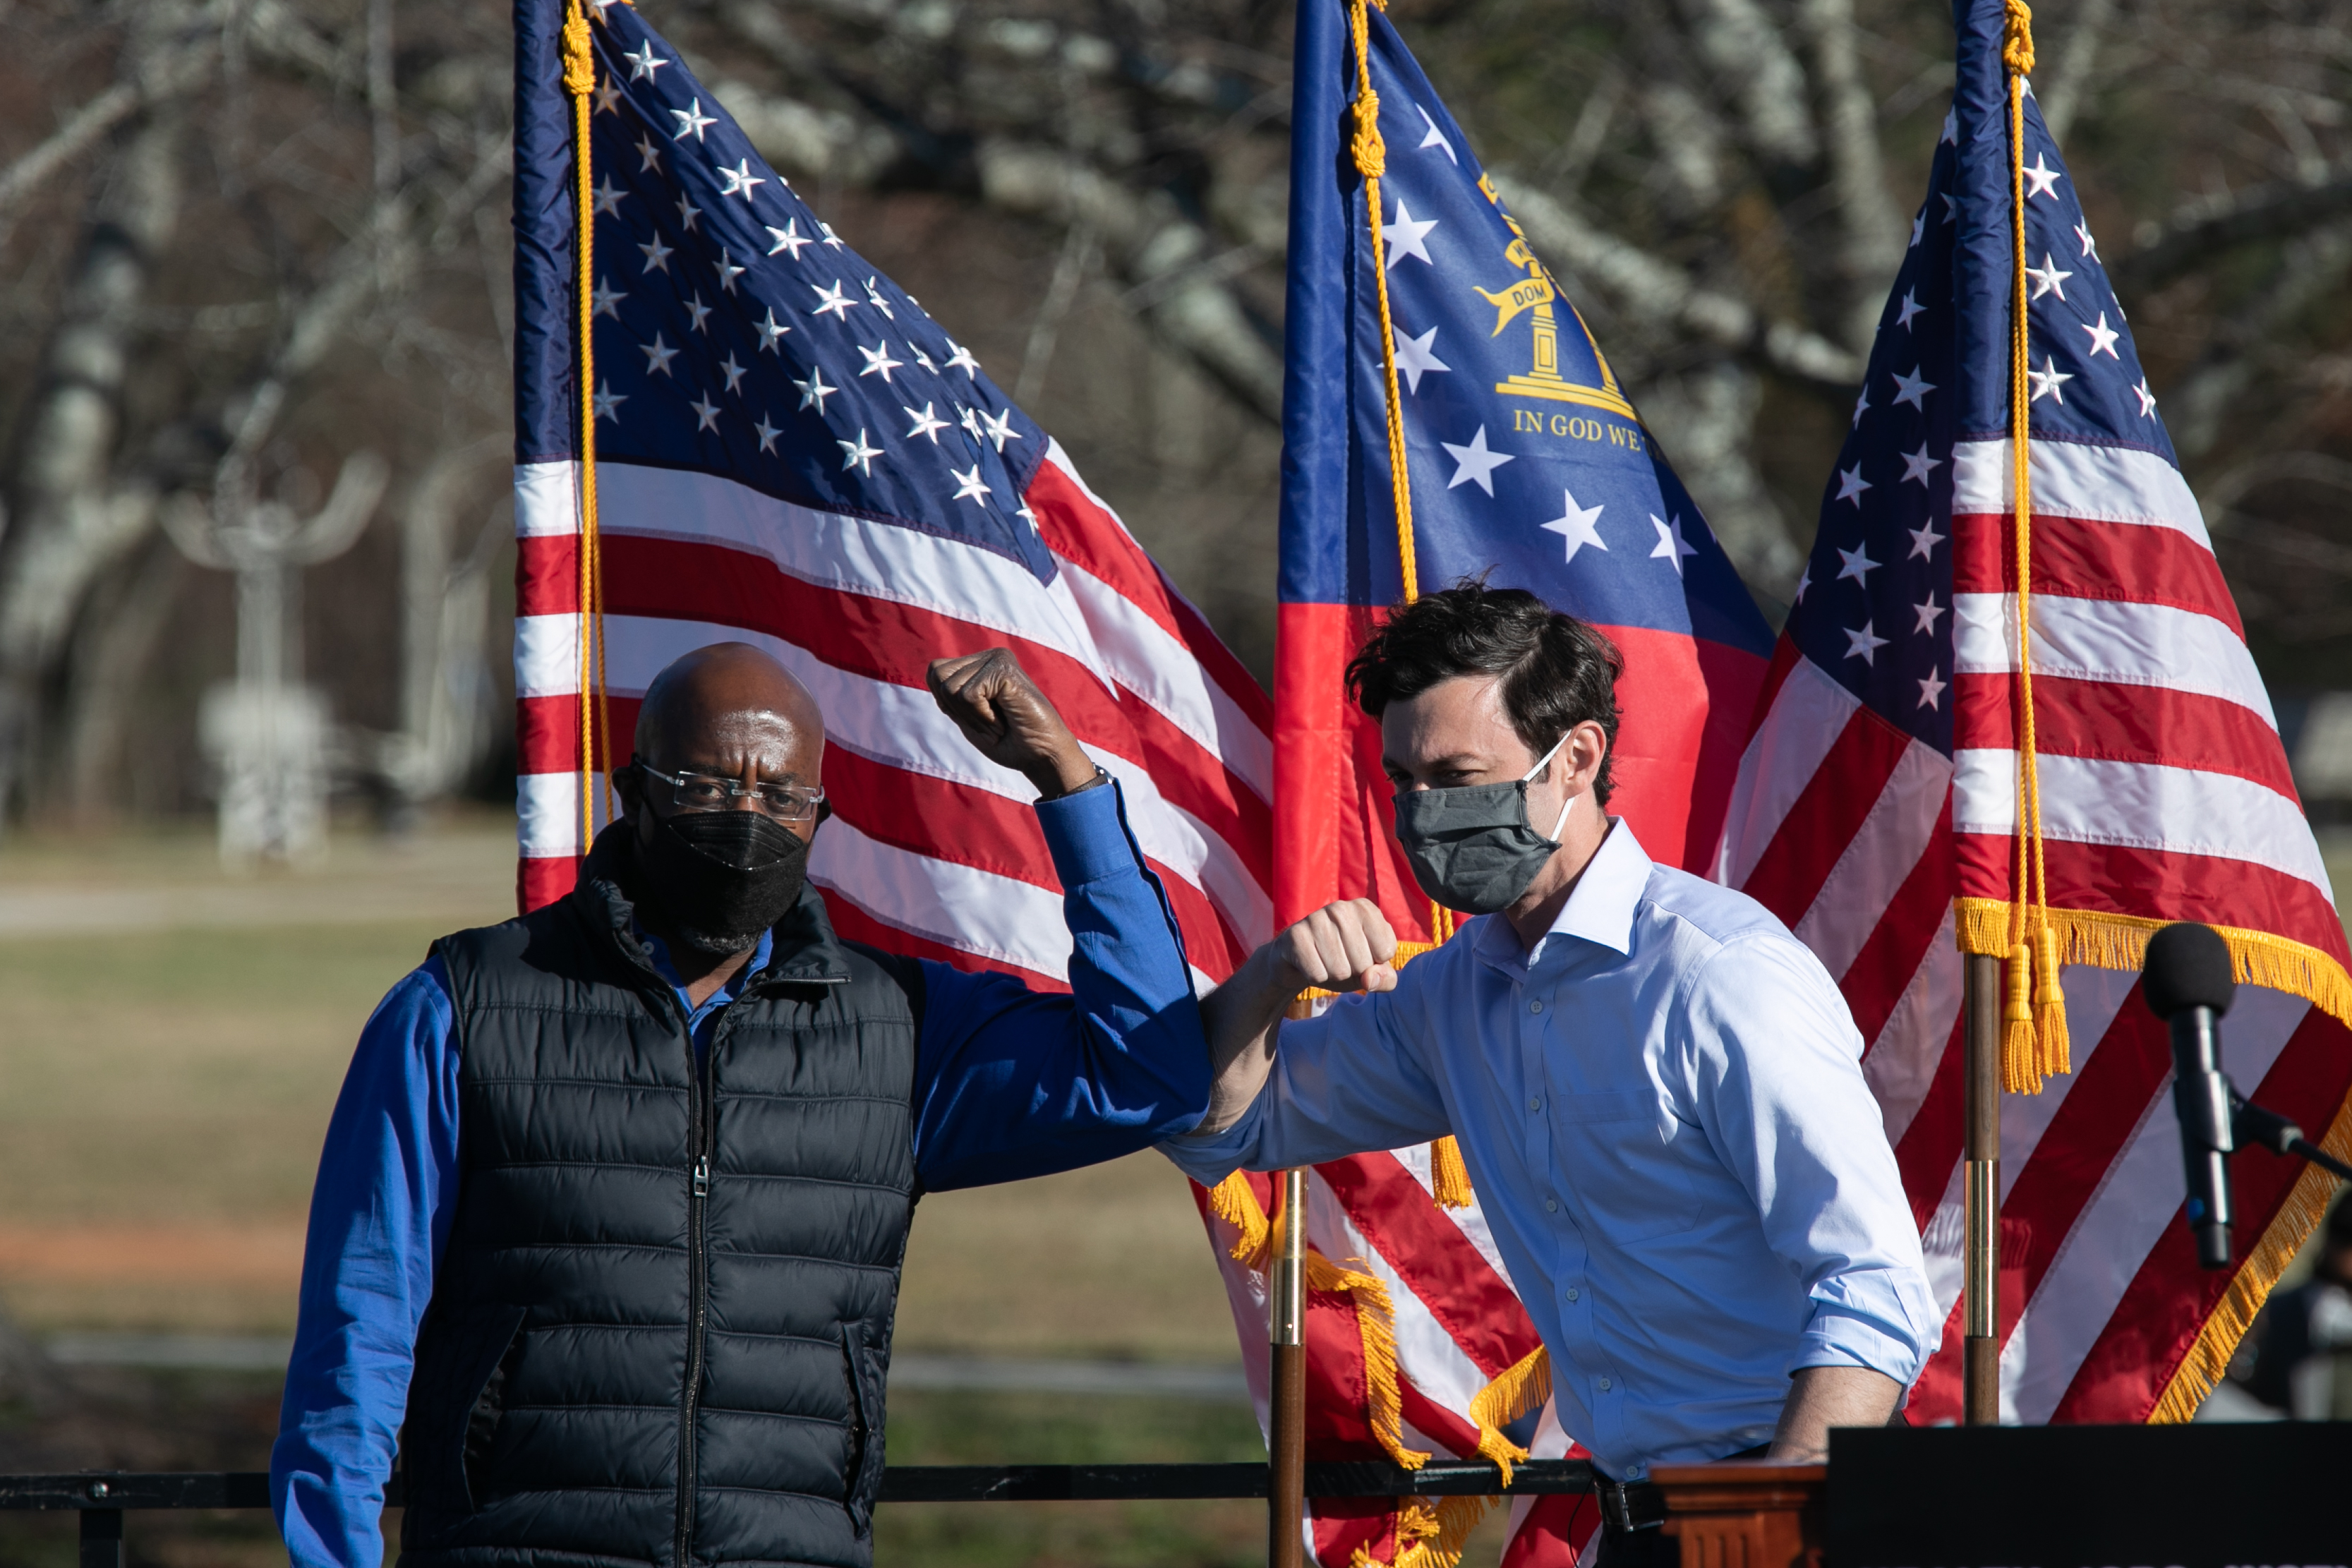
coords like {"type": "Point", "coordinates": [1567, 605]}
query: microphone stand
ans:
{"type": "Point", "coordinates": [2251, 1124]}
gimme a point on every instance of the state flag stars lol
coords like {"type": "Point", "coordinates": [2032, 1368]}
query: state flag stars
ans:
{"type": "Point", "coordinates": [1580, 525]}
{"type": "Point", "coordinates": [732, 371]}
{"type": "Point", "coordinates": [1670, 548]}
{"type": "Point", "coordinates": [767, 434]}
{"type": "Point", "coordinates": [657, 355]}
{"type": "Point", "coordinates": [1924, 540]}
{"type": "Point", "coordinates": [657, 255]}
{"type": "Point", "coordinates": [607, 200]}
{"type": "Point", "coordinates": [1474, 464]}
{"type": "Point", "coordinates": [1910, 308]}
{"type": "Point", "coordinates": [2041, 179]}
{"type": "Point", "coordinates": [1416, 357]}
{"type": "Point", "coordinates": [959, 358]}
{"type": "Point", "coordinates": [1408, 236]}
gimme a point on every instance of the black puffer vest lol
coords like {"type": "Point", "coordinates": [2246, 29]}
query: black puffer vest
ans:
{"type": "Point", "coordinates": [661, 1320]}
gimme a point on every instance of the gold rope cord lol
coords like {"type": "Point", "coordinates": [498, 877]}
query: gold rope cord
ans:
{"type": "Point", "coordinates": [595, 718]}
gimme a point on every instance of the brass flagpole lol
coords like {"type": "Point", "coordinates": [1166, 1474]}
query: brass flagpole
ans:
{"type": "Point", "coordinates": [1286, 1492]}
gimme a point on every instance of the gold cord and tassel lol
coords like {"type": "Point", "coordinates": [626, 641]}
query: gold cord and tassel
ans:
{"type": "Point", "coordinates": [595, 717]}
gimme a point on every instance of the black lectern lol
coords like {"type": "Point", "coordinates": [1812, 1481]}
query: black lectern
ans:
{"type": "Point", "coordinates": [2075, 1497]}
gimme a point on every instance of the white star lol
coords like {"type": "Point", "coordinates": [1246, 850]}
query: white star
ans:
{"type": "Point", "coordinates": [2090, 245]}
{"type": "Point", "coordinates": [1861, 404]}
{"type": "Point", "coordinates": [740, 180]}
{"type": "Point", "coordinates": [1670, 548]}
{"type": "Point", "coordinates": [874, 298]}
{"type": "Point", "coordinates": [733, 372]}
{"type": "Point", "coordinates": [970, 423]}
{"type": "Point", "coordinates": [1951, 208]}
{"type": "Point", "coordinates": [1804, 581]}
{"type": "Point", "coordinates": [1931, 690]}
{"type": "Point", "coordinates": [830, 238]}
{"type": "Point", "coordinates": [1850, 484]}
{"type": "Point", "coordinates": [920, 357]}
{"type": "Point", "coordinates": [769, 331]}
{"type": "Point", "coordinates": [657, 255]}
{"type": "Point", "coordinates": [1918, 227]}
{"type": "Point", "coordinates": [691, 118]}
{"type": "Point", "coordinates": [608, 200]}
{"type": "Point", "coordinates": [1918, 465]}
{"type": "Point", "coordinates": [644, 62]}
{"type": "Point", "coordinates": [1435, 138]}
{"type": "Point", "coordinates": [2103, 337]}
{"type": "Point", "coordinates": [1578, 525]}
{"type": "Point", "coordinates": [658, 356]}
{"type": "Point", "coordinates": [857, 454]}
{"type": "Point", "coordinates": [648, 155]}
{"type": "Point", "coordinates": [814, 390]}
{"type": "Point", "coordinates": [608, 96]}
{"type": "Point", "coordinates": [696, 312]}
{"type": "Point", "coordinates": [1929, 614]}
{"type": "Point", "coordinates": [2047, 380]}
{"type": "Point", "coordinates": [687, 212]}
{"type": "Point", "coordinates": [2042, 179]}
{"type": "Point", "coordinates": [767, 434]}
{"type": "Point", "coordinates": [968, 486]}
{"type": "Point", "coordinates": [706, 412]}
{"type": "Point", "coordinates": [788, 237]}
{"type": "Point", "coordinates": [1474, 464]}
{"type": "Point", "coordinates": [1911, 308]}
{"type": "Point", "coordinates": [608, 403]}
{"type": "Point", "coordinates": [1407, 238]}
{"type": "Point", "coordinates": [1951, 127]}
{"type": "Point", "coordinates": [1924, 540]}
{"type": "Point", "coordinates": [1912, 389]}
{"type": "Point", "coordinates": [835, 301]}
{"type": "Point", "coordinates": [878, 361]}
{"type": "Point", "coordinates": [605, 300]}
{"type": "Point", "coordinates": [1415, 358]}
{"type": "Point", "coordinates": [1858, 564]}
{"type": "Point", "coordinates": [927, 425]}
{"type": "Point", "coordinates": [999, 428]}
{"type": "Point", "coordinates": [1026, 515]}
{"type": "Point", "coordinates": [960, 358]}
{"type": "Point", "coordinates": [1862, 644]}
{"type": "Point", "coordinates": [728, 270]}
{"type": "Point", "coordinates": [2147, 399]}
{"type": "Point", "coordinates": [2048, 278]}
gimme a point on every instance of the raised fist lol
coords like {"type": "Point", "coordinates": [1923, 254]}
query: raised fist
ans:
{"type": "Point", "coordinates": [1343, 946]}
{"type": "Point", "coordinates": [1008, 721]}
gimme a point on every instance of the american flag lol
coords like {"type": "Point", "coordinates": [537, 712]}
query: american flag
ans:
{"type": "Point", "coordinates": [790, 453]}
{"type": "Point", "coordinates": [1882, 786]}
{"type": "Point", "coordinates": [1528, 465]}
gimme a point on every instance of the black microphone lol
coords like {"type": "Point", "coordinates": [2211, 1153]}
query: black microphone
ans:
{"type": "Point", "coordinates": [2188, 983]}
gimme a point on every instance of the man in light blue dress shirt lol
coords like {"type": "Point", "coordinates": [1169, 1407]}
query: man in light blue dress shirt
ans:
{"type": "Point", "coordinates": [1656, 1087]}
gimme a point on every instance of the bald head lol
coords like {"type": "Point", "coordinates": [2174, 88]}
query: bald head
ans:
{"type": "Point", "coordinates": [720, 699]}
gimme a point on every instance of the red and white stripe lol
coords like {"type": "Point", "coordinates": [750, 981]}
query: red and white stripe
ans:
{"type": "Point", "coordinates": [2165, 794]}
{"type": "Point", "coordinates": [932, 849]}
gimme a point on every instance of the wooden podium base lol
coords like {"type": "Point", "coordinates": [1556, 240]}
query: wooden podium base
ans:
{"type": "Point", "coordinates": [1745, 1513]}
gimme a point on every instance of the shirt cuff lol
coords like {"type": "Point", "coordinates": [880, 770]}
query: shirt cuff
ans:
{"type": "Point", "coordinates": [1864, 1319]}
{"type": "Point", "coordinates": [1209, 1158]}
{"type": "Point", "coordinates": [1087, 835]}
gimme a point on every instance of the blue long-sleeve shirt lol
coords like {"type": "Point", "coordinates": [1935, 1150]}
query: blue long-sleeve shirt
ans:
{"type": "Point", "coordinates": [1009, 1083]}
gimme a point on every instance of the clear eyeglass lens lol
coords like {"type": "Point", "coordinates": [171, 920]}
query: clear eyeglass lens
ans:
{"type": "Point", "coordinates": [699, 792]}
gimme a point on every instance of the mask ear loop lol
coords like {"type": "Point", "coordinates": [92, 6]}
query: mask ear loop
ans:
{"type": "Point", "coordinates": [1530, 777]}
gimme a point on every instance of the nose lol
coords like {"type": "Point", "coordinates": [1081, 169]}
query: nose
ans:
{"type": "Point", "coordinates": [747, 801]}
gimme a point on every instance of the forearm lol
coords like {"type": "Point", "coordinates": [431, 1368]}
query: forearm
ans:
{"type": "Point", "coordinates": [1820, 1397]}
{"type": "Point", "coordinates": [1242, 1018]}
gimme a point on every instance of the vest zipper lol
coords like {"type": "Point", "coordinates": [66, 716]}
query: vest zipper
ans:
{"type": "Point", "coordinates": [699, 1124]}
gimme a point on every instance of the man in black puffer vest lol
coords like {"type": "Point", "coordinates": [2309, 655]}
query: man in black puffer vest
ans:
{"type": "Point", "coordinates": [609, 1224]}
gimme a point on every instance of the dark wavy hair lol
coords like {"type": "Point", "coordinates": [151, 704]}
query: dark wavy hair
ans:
{"type": "Point", "coordinates": [1557, 672]}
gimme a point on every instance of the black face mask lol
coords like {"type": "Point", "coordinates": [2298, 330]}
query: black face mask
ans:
{"type": "Point", "coordinates": [719, 879]}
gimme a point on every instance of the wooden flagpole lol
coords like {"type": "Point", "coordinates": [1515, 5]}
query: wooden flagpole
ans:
{"type": "Point", "coordinates": [1981, 1193]}
{"type": "Point", "coordinates": [1286, 1492]}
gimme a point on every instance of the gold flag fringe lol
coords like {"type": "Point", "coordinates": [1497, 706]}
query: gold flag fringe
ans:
{"type": "Point", "coordinates": [1449, 1178]}
{"type": "Point", "coordinates": [2101, 940]}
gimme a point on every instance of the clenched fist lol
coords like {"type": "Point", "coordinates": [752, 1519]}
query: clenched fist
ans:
{"type": "Point", "coordinates": [1008, 721]}
{"type": "Point", "coordinates": [1343, 946]}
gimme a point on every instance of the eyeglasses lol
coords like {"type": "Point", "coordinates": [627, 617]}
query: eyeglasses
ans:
{"type": "Point", "coordinates": [705, 791]}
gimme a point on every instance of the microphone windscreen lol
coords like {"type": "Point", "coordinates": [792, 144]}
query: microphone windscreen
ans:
{"type": "Point", "coordinates": [2187, 965]}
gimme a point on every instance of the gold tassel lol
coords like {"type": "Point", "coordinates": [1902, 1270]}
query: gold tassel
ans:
{"type": "Point", "coordinates": [2053, 1054]}
{"type": "Point", "coordinates": [2017, 1055]}
{"type": "Point", "coordinates": [1431, 1532]}
{"type": "Point", "coordinates": [1376, 1323]}
{"type": "Point", "coordinates": [1235, 1201]}
{"type": "Point", "coordinates": [1520, 1388]}
{"type": "Point", "coordinates": [1449, 1178]}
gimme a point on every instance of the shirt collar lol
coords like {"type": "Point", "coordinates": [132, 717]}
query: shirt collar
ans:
{"type": "Point", "coordinates": [1599, 910]}
{"type": "Point", "coordinates": [658, 951]}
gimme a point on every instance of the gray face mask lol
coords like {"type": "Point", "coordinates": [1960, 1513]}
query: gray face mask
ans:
{"type": "Point", "coordinates": [1472, 849]}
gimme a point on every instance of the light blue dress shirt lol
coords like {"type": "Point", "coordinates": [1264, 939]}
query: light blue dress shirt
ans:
{"type": "Point", "coordinates": [1663, 1111]}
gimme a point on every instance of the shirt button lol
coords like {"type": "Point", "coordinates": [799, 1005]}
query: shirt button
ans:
{"type": "Point", "coordinates": [1536, 1103]}
{"type": "Point", "coordinates": [1604, 1385]}
{"type": "Point", "coordinates": [1572, 1292]}
{"type": "Point", "coordinates": [1535, 1006]}
{"type": "Point", "coordinates": [1551, 1206]}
